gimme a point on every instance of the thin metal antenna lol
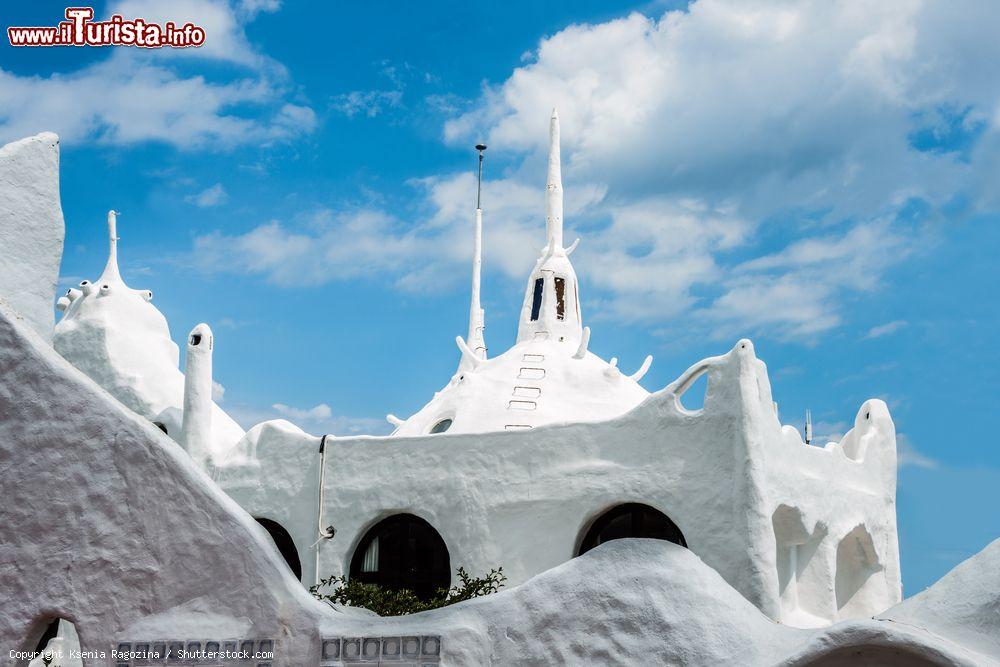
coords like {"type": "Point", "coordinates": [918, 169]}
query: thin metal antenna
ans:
{"type": "Point", "coordinates": [809, 427]}
{"type": "Point", "coordinates": [479, 187]}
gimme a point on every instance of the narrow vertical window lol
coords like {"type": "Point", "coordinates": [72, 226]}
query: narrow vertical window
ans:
{"type": "Point", "coordinates": [536, 300]}
{"type": "Point", "coordinates": [561, 298]}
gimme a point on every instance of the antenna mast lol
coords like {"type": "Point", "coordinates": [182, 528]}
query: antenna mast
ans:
{"type": "Point", "coordinates": [479, 186]}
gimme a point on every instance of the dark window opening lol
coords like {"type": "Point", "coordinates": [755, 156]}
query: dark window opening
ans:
{"type": "Point", "coordinates": [285, 544]}
{"type": "Point", "coordinates": [161, 426]}
{"type": "Point", "coordinates": [195, 339]}
{"type": "Point", "coordinates": [442, 426]}
{"type": "Point", "coordinates": [403, 551]}
{"type": "Point", "coordinates": [48, 635]}
{"type": "Point", "coordinates": [536, 300]}
{"type": "Point", "coordinates": [631, 520]}
{"type": "Point", "coordinates": [560, 298]}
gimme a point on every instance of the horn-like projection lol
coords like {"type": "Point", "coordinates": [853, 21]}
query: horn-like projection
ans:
{"type": "Point", "coordinates": [468, 356]}
{"type": "Point", "coordinates": [584, 342]}
{"type": "Point", "coordinates": [638, 375]}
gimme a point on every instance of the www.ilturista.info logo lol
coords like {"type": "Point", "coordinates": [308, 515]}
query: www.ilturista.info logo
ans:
{"type": "Point", "coordinates": [80, 30]}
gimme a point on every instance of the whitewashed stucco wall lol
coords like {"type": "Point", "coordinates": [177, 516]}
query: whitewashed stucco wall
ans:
{"type": "Point", "coordinates": [31, 228]}
{"type": "Point", "coordinates": [524, 499]}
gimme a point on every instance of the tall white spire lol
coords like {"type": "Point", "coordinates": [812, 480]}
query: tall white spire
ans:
{"type": "Point", "coordinates": [476, 340]}
{"type": "Point", "coordinates": [111, 268]}
{"type": "Point", "coordinates": [477, 316]}
{"type": "Point", "coordinates": [551, 308]}
{"type": "Point", "coordinates": [553, 189]}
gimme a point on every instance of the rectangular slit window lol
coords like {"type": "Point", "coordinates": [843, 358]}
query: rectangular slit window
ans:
{"type": "Point", "coordinates": [536, 300]}
{"type": "Point", "coordinates": [560, 298]}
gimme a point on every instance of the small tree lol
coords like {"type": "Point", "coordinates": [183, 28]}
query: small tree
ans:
{"type": "Point", "coordinates": [388, 602]}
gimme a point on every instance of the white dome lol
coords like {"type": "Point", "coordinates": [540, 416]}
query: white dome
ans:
{"type": "Point", "coordinates": [533, 383]}
{"type": "Point", "coordinates": [116, 336]}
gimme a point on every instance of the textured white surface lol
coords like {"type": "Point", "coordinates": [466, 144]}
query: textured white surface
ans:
{"type": "Point", "coordinates": [147, 546]}
{"type": "Point", "coordinates": [964, 606]}
{"type": "Point", "coordinates": [741, 489]}
{"type": "Point", "coordinates": [649, 602]}
{"type": "Point", "coordinates": [107, 522]}
{"type": "Point", "coordinates": [196, 428]}
{"type": "Point", "coordinates": [31, 228]}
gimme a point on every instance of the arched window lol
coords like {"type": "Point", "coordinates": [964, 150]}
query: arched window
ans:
{"type": "Point", "coordinates": [403, 551]}
{"type": "Point", "coordinates": [442, 426]}
{"type": "Point", "coordinates": [631, 520]}
{"type": "Point", "coordinates": [57, 637]}
{"type": "Point", "coordinates": [285, 544]}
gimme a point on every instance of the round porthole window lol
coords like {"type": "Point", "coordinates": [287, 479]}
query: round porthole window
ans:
{"type": "Point", "coordinates": [441, 426]}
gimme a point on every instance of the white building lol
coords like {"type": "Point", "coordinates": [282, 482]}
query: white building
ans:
{"type": "Point", "coordinates": [530, 457]}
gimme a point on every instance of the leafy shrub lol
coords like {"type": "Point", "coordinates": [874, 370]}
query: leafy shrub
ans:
{"type": "Point", "coordinates": [387, 602]}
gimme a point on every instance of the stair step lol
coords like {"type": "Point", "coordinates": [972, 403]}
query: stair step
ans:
{"type": "Point", "coordinates": [531, 373]}
{"type": "Point", "coordinates": [527, 392]}
{"type": "Point", "coordinates": [522, 405]}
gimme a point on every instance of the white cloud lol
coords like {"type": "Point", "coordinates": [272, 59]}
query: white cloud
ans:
{"type": "Point", "coordinates": [368, 102]}
{"type": "Point", "coordinates": [218, 392]}
{"type": "Point", "coordinates": [792, 111]}
{"type": "Point", "coordinates": [137, 95]}
{"type": "Point", "coordinates": [320, 411]}
{"type": "Point", "coordinates": [826, 432]}
{"type": "Point", "coordinates": [907, 454]}
{"type": "Point", "coordinates": [210, 196]}
{"type": "Point", "coordinates": [794, 293]}
{"type": "Point", "coordinates": [319, 419]}
{"type": "Point", "coordinates": [225, 37]}
{"type": "Point", "coordinates": [886, 329]}
{"type": "Point", "coordinates": [748, 164]}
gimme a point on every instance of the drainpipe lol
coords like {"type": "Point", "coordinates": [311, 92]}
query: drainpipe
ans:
{"type": "Point", "coordinates": [325, 532]}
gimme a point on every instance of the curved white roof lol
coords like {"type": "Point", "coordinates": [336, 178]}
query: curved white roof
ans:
{"type": "Point", "coordinates": [548, 376]}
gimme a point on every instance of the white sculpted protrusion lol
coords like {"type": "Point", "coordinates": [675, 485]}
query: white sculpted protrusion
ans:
{"type": "Point", "coordinates": [554, 189]}
{"type": "Point", "coordinates": [196, 431]}
{"type": "Point", "coordinates": [550, 356]}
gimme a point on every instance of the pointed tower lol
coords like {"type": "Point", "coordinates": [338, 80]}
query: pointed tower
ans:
{"type": "Point", "coordinates": [553, 189]}
{"type": "Point", "coordinates": [111, 273]}
{"type": "Point", "coordinates": [476, 339]}
{"type": "Point", "coordinates": [551, 309]}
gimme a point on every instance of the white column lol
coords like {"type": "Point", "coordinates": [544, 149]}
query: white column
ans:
{"type": "Point", "coordinates": [196, 430]}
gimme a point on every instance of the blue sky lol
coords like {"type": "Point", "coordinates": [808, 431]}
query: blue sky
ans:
{"type": "Point", "coordinates": [816, 176]}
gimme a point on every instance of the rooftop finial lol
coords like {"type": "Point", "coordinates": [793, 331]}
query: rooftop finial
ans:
{"type": "Point", "coordinates": [553, 189]}
{"type": "Point", "coordinates": [479, 186]}
{"type": "Point", "coordinates": [111, 268]}
{"type": "Point", "coordinates": [477, 316]}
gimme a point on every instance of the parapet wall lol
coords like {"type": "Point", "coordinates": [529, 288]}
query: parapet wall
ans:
{"type": "Point", "coordinates": [524, 499]}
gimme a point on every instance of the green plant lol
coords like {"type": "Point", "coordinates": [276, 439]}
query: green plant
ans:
{"type": "Point", "coordinates": [388, 602]}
